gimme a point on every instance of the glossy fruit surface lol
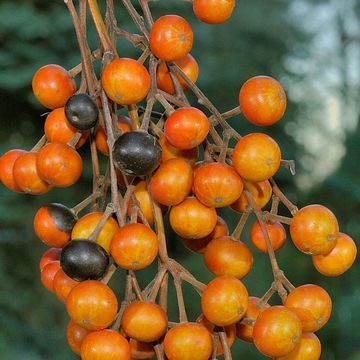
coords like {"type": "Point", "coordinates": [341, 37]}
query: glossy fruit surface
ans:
{"type": "Point", "coordinates": [75, 335]}
{"type": "Point", "coordinates": [137, 153]}
{"type": "Point", "coordinates": [26, 175]}
{"type": "Point", "coordinates": [53, 224]}
{"type": "Point", "coordinates": [172, 182]}
{"type": "Point", "coordinates": [262, 100]}
{"type": "Point", "coordinates": [308, 348]}
{"type": "Point", "coordinates": [50, 255]}
{"type": "Point", "coordinates": [92, 305]}
{"type": "Point", "coordinates": [58, 129]}
{"type": "Point", "coordinates": [339, 259]}
{"type": "Point", "coordinates": [48, 274]}
{"type": "Point", "coordinates": [277, 235]}
{"type": "Point", "coordinates": [189, 67]}
{"type": "Point", "coordinates": [144, 321]}
{"type": "Point", "coordinates": [217, 185]}
{"type": "Point", "coordinates": [227, 256]}
{"type": "Point", "coordinates": [86, 225]}
{"type": "Point", "coordinates": [199, 245]}
{"type": "Point", "coordinates": [224, 301]}
{"type": "Point", "coordinates": [134, 246]}
{"type": "Point", "coordinates": [59, 164]}
{"type": "Point", "coordinates": [314, 230]}
{"type": "Point", "coordinates": [81, 111]}
{"type": "Point", "coordinates": [277, 331]}
{"type": "Point", "coordinates": [105, 345]}
{"type": "Point", "coordinates": [7, 161]}
{"type": "Point", "coordinates": [260, 191]}
{"type": "Point", "coordinates": [171, 38]}
{"type": "Point", "coordinates": [245, 331]}
{"type": "Point", "coordinates": [52, 86]}
{"type": "Point", "coordinates": [256, 157]}
{"type": "Point", "coordinates": [171, 152]}
{"type": "Point", "coordinates": [213, 11]}
{"type": "Point", "coordinates": [186, 128]}
{"type": "Point", "coordinates": [62, 285]}
{"type": "Point", "coordinates": [125, 81]}
{"type": "Point", "coordinates": [312, 304]}
{"type": "Point", "coordinates": [83, 260]}
{"type": "Point", "coordinates": [191, 219]}
{"type": "Point", "coordinates": [188, 341]}
{"type": "Point", "coordinates": [123, 124]}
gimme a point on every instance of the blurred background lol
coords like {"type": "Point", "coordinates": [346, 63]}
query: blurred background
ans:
{"type": "Point", "coordinates": [311, 46]}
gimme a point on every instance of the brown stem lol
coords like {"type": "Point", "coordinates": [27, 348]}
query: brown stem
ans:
{"type": "Point", "coordinates": [223, 339]}
{"type": "Point", "coordinates": [267, 296]}
{"type": "Point", "coordinates": [164, 292]}
{"type": "Point", "coordinates": [291, 207]}
{"type": "Point", "coordinates": [240, 226]}
{"type": "Point", "coordinates": [83, 204]}
{"type": "Point", "coordinates": [180, 298]}
{"type": "Point", "coordinates": [138, 20]}
{"type": "Point", "coordinates": [109, 274]}
{"type": "Point", "coordinates": [136, 286]}
{"type": "Point", "coordinates": [39, 144]}
{"type": "Point", "coordinates": [133, 113]}
{"type": "Point", "coordinates": [147, 13]}
{"type": "Point", "coordinates": [105, 216]}
{"type": "Point", "coordinates": [95, 164]}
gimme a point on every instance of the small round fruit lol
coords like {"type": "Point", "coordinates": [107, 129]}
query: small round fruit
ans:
{"type": "Point", "coordinates": [59, 164]}
{"type": "Point", "coordinates": [339, 259]}
{"type": "Point", "coordinates": [75, 335]}
{"type": "Point", "coordinates": [62, 285]}
{"type": "Point", "coordinates": [125, 81]}
{"type": "Point", "coordinates": [308, 348]}
{"type": "Point", "coordinates": [256, 157]}
{"type": "Point", "coordinates": [277, 331]}
{"type": "Point", "coordinates": [26, 175]}
{"type": "Point", "coordinates": [186, 128]}
{"type": "Point", "coordinates": [314, 230]}
{"type": "Point", "coordinates": [50, 255]}
{"type": "Point", "coordinates": [190, 341]}
{"type": "Point", "coordinates": [245, 331]}
{"type": "Point", "coordinates": [227, 256]}
{"type": "Point", "coordinates": [277, 235]}
{"type": "Point", "coordinates": [81, 111]}
{"type": "Point", "coordinates": [217, 185]}
{"type": "Point", "coordinates": [123, 124]}
{"type": "Point", "coordinates": [191, 219]}
{"type": "Point", "coordinates": [260, 191]}
{"type": "Point", "coordinates": [105, 345]}
{"type": "Point", "coordinates": [171, 152]}
{"type": "Point", "coordinates": [83, 260]}
{"type": "Point", "coordinates": [262, 100]}
{"type": "Point", "coordinates": [224, 301]}
{"type": "Point", "coordinates": [189, 67]}
{"type": "Point", "coordinates": [144, 321]}
{"type": "Point", "coordinates": [141, 350]}
{"type": "Point", "coordinates": [134, 246]}
{"type": "Point", "coordinates": [58, 129]}
{"type": "Point", "coordinates": [92, 305]}
{"type": "Point", "coordinates": [172, 182]}
{"type": "Point", "coordinates": [86, 225]}
{"type": "Point", "coordinates": [48, 274]}
{"type": "Point", "coordinates": [52, 86]}
{"type": "Point", "coordinates": [213, 11]}
{"type": "Point", "coordinates": [170, 38]}
{"type": "Point", "coordinates": [7, 161]}
{"type": "Point", "coordinates": [199, 245]}
{"type": "Point", "coordinates": [53, 224]}
{"type": "Point", "coordinates": [137, 153]}
{"type": "Point", "coordinates": [312, 304]}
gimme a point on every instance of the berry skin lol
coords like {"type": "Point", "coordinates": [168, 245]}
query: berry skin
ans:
{"type": "Point", "coordinates": [213, 11]}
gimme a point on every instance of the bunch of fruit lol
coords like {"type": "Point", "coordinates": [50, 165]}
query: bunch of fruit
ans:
{"type": "Point", "coordinates": [155, 169]}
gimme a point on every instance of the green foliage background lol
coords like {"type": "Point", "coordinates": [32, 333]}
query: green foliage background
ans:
{"type": "Point", "coordinates": [258, 39]}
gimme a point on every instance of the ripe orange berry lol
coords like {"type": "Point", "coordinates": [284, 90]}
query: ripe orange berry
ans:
{"type": "Point", "coordinates": [53, 86]}
{"type": "Point", "coordinates": [7, 161]}
{"type": "Point", "coordinates": [277, 235]}
{"type": "Point", "coordinates": [141, 350]}
{"type": "Point", "coordinates": [171, 152]}
{"type": "Point", "coordinates": [277, 331]}
{"type": "Point", "coordinates": [125, 81]}
{"type": "Point", "coordinates": [312, 304]}
{"type": "Point", "coordinates": [308, 348]}
{"type": "Point", "coordinates": [213, 11]}
{"type": "Point", "coordinates": [75, 335]}
{"type": "Point", "coordinates": [170, 38]}
{"type": "Point", "coordinates": [256, 157]}
{"type": "Point", "coordinates": [224, 301]}
{"type": "Point", "coordinates": [339, 259]}
{"type": "Point", "coordinates": [189, 67]}
{"type": "Point", "coordinates": [50, 255]}
{"type": "Point", "coordinates": [262, 100]}
{"type": "Point", "coordinates": [227, 256]}
{"type": "Point", "coordinates": [62, 285]}
{"type": "Point", "coordinates": [314, 230]}
{"type": "Point", "coordinates": [48, 274]}
{"type": "Point", "coordinates": [189, 341]}
{"type": "Point", "coordinates": [191, 219]}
